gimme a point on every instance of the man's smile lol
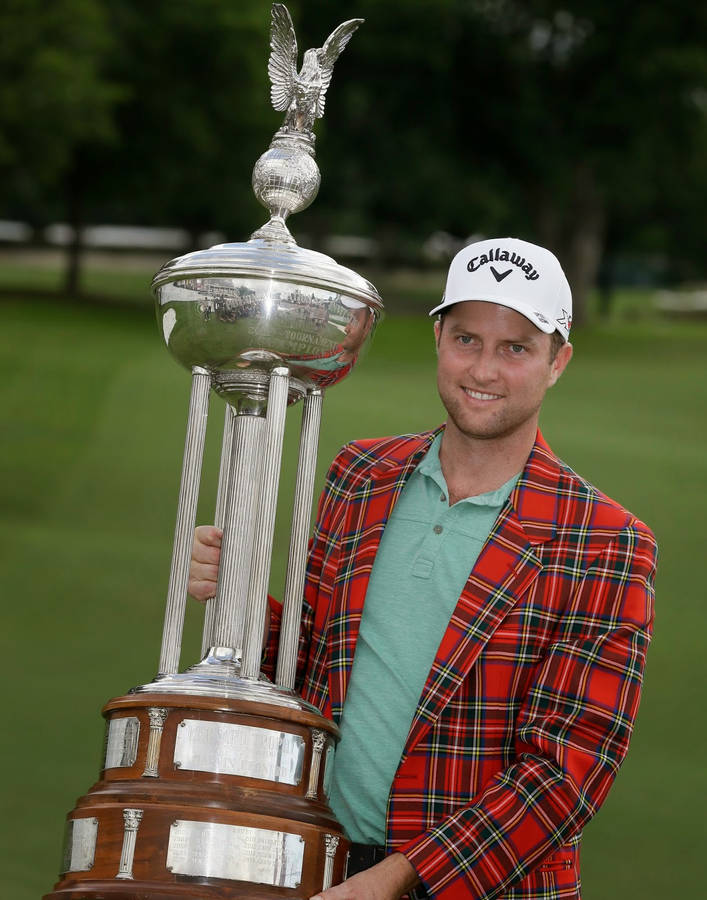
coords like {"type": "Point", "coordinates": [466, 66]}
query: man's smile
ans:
{"type": "Point", "coordinates": [480, 395]}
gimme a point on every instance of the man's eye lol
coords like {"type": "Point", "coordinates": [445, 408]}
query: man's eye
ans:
{"type": "Point", "coordinates": [465, 339]}
{"type": "Point", "coordinates": [516, 349]}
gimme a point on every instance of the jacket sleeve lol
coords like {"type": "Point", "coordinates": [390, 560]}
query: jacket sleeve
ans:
{"type": "Point", "coordinates": [571, 735]}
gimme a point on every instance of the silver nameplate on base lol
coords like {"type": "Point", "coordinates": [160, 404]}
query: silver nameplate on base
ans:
{"type": "Point", "coordinates": [232, 749]}
{"type": "Point", "coordinates": [79, 845]}
{"type": "Point", "coordinates": [121, 742]}
{"type": "Point", "coordinates": [213, 850]}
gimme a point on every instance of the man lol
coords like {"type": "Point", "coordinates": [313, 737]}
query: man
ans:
{"type": "Point", "coordinates": [476, 614]}
{"type": "Point", "coordinates": [336, 365]}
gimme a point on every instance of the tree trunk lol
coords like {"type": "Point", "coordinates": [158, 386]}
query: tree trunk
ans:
{"type": "Point", "coordinates": [74, 209]}
{"type": "Point", "coordinates": [571, 223]}
{"type": "Point", "coordinates": [584, 242]}
{"type": "Point", "coordinates": [605, 287]}
{"type": "Point", "coordinates": [548, 227]}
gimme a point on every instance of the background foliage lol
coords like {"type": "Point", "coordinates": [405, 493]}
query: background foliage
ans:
{"type": "Point", "coordinates": [579, 123]}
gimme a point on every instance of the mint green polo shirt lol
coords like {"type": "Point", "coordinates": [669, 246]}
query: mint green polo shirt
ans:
{"type": "Point", "coordinates": [425, 556]}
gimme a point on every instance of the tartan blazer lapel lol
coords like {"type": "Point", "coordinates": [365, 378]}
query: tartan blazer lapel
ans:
{"type": "Point", "coordinates": [504, 570]}
{"type": "Point", "coordinates": [368, 506]}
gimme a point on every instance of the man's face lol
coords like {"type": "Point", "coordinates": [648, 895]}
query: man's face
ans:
{"type": "Point", "coordinates": [493, 369]}
{"type": "Point", "coordinates": [356, 329]}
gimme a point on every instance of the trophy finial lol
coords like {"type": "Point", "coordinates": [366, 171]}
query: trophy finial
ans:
{"type": "Point", "coordinates": [302, 93]}
{"type": "Point", "coordinates": [286, 178]}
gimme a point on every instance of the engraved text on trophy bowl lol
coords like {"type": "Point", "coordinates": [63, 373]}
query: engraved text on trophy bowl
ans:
{"type": "Point", "coordinates": [231, 324]}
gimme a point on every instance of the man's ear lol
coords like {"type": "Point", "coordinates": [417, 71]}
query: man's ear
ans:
{"type": "Point", "coordinates": [438, 331]}
{"type": "Point", "coordinates": [560, 362]}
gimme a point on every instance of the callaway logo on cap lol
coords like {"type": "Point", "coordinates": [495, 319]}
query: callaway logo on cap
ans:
{"type": "Point", "coordinates": [516, 274]}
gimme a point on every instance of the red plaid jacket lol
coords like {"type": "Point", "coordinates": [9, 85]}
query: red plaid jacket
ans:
{"type": "Point", "coordinates": [529, 705]}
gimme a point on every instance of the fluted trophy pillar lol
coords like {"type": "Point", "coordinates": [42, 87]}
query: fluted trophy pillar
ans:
{"type": "Point", "coordinates": [238, 532]}
{"type": "Point", "coordinates": [186, 518]}
{"type": "Point", "coordinates": [219, 518]}
{"type": "Point", "coordinates": [296, 562]}
{"type": "Point", "coordinates": [265, 525]}
{"type": "Point", "coordinates": [214, 779]}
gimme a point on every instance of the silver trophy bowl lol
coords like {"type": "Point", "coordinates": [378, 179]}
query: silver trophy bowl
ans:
{"type": "Point", "coordinates": [240, 310]}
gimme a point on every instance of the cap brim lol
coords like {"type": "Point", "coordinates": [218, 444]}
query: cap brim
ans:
{"type": "Point", "coordinates": [523, 308]}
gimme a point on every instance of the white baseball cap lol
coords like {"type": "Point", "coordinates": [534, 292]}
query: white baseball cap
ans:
{"type": "Point", "coordinates": [516, 274]}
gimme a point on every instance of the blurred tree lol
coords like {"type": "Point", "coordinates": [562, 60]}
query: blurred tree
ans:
{"type": "Point", "coordinates": [198, 114]}
{"type": "Point", "coordinates": [193, 121]}
{"type": "Point", "coordinates": [387, 146]}
{"type": "Point", "coordinates": [578, 123]}
{"type": "Point", "coordinates": [602, 97]}
{"type": "Point", "coordinates": [137, 114]}
{"type": "Point", "coordinates": [563, 121]}
{"type": "Point", "coordinates": [54, 92]}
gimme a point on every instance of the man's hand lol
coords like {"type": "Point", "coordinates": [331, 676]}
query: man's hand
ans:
{"type": "Point", "coordinates": [388, 880]}
{"type": "Point", "coordinates": [205, 554]}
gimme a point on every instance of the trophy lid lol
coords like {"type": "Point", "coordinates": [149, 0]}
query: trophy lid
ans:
{"type": "Point", "coordinates": [278, 260]}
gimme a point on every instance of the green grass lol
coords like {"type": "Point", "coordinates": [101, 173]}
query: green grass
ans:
{"type": "Point", "coordinates": [93, 415]}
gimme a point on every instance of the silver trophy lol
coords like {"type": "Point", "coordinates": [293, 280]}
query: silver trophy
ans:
{"type": "Point", "coordinates": [217, 776]}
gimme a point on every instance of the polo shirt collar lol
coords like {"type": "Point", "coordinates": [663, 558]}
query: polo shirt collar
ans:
{"type": "Point", "coordinates": [431, 467]}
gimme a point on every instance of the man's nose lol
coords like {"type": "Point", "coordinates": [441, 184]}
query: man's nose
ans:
{"type": "Point", "coordinates": [484, 366]}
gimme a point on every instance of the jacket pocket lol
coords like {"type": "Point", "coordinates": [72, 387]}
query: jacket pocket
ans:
{"type": "Point", "coordinates": [556, 864]}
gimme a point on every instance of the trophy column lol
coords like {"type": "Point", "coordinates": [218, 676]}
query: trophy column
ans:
{"type": "Point", "coordinates": [294, 584]}
{"type": "Point", "coordinates": [186, 519]}
{"type": "Point", "coordinates": [265, 528]}
{"type": "Point", "coordinates": [219, 518]}
{"type": "Point", "coordinates": [238, 534]}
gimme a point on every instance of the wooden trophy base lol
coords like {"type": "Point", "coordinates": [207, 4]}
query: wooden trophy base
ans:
{"type": "Point", "coordinates": [205, 798]}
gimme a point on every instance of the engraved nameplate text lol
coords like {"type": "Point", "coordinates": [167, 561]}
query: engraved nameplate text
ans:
{"type": "Point", "coordinates": [234, 749]}
{"type": "Point", "coordinates": [213, 850]}
{"type": "Point", "coordinates": [121, 745]}
{"type": "Point", "coordinates": [79, 845]}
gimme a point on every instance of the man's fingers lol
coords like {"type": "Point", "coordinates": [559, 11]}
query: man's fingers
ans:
{"type": "Point", "coordinates": [208, 534]}
{"type": "Point", "coordinates": [207, 545]}
{"type": "Point", "coordinates": [203, 572]}
{"type": "Point", "coordinates": [201, 589]}
{"type": "Point", "coordinates": [201, 553]}
{"type": "Point", "coordinates": [203, 568]}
